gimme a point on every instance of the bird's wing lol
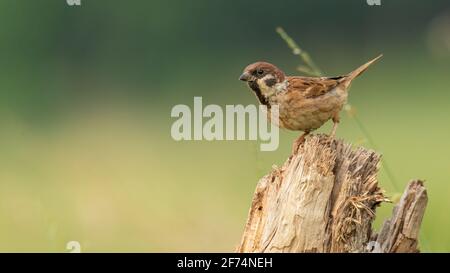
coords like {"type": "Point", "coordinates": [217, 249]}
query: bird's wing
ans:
{"type": "Point", "coordinates": [311, 87]}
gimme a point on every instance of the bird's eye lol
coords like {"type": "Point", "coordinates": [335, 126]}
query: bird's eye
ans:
{"type": "Point", "coordinates": [260, 71]}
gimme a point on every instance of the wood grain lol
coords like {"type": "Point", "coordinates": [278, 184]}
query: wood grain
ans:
{"type": "Point", "coordinates": [323, 199]}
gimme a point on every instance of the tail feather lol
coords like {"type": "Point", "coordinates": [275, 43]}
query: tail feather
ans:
{"type": "Point", "coordinates": [358, 71]}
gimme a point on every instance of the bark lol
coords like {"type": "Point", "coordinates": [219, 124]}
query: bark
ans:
{"type": "Point", "coordinates": [323, 199]}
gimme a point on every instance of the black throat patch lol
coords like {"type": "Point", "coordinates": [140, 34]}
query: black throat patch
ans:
{"type": "Point", "coordinates": [255, 87]}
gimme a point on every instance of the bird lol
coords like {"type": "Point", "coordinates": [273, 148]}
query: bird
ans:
{"type": "Point", "coordinates": [304, 103]}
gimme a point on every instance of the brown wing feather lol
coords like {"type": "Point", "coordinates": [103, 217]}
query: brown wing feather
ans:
{"type": "Point", "coordinates": [313, 87]}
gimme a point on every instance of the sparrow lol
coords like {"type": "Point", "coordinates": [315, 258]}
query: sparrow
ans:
{"type": "Point", "coordinates": [305, 103]}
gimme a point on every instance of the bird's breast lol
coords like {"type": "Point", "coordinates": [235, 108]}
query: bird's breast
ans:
{"type": "Point", "coordinates": [299, 113]}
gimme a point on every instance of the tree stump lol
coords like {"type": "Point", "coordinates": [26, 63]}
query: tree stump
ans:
{"type": "Point", "coordinates": [323, 199]}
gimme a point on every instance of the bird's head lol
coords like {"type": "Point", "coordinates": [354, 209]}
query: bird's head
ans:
{"type": "Point", "coordinates": [262, 74]}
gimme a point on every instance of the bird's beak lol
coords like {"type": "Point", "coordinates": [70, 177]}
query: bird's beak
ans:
{"type": "Point", "coordinates": [245, 77]}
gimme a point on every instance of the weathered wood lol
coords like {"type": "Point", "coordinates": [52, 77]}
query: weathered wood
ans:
{"type": "Point", "coordinates": [322, 199]}
{"type": "Point", "coordinates": [401, 232]}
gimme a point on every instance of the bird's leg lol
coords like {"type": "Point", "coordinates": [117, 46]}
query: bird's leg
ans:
{"type": "Point", "coordinates": [333, 131]}
{"type": "Point", "coordinates": [335, 125]}
{"type": "Point", "coordinates": [298, 142]}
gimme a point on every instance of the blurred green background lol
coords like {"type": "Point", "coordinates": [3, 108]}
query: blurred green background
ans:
{"type": "Point", "coordinates": [86, 94]}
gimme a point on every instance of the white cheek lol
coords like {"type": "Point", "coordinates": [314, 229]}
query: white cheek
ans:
{"type": "Point", "coordinates": [268, 77]}
{"type": "Point", "coordinates": [262, 83]}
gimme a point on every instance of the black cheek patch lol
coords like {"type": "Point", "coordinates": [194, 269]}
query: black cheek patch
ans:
{"type": "Point", "coordinates": [270, 82]}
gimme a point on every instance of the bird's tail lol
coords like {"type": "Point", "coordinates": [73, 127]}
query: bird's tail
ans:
{"type": "Point", "coordinates": [358, 71]}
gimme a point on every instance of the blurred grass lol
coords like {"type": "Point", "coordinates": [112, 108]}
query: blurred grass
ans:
{"type": "Point", "coordinates": [109, 175]}
{"type": "Point", "coordinates": [86, 94]}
